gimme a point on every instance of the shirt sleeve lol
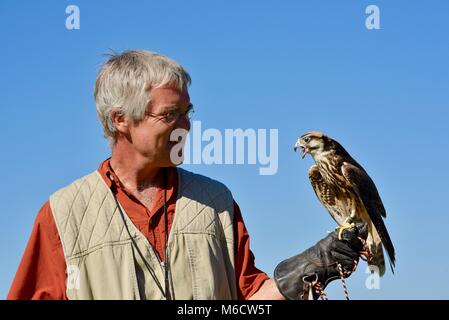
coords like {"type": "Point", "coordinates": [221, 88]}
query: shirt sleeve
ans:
{"type": "Point", "coordinates": [42, 271]}
{"type": "Point", "coordinates": [249, 278]}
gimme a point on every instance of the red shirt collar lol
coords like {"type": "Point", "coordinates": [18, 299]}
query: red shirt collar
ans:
{"type": "Point", "coordinates": [112, 180]}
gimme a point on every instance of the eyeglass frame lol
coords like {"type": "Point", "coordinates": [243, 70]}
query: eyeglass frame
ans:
{"type": "Point", "coordinates": [176, 114]}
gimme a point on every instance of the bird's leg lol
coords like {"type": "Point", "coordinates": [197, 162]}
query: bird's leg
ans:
{"type": "Point", "coordinates": [366, 254]}
{"type": "Point", "coordinates": [347, 224]}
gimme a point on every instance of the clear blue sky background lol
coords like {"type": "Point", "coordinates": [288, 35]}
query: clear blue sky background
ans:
{"type": "Point", "coordinates": [294, 66]}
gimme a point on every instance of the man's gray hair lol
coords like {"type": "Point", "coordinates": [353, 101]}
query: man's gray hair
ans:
{"type": "Point", "coordinates": [124, 83]}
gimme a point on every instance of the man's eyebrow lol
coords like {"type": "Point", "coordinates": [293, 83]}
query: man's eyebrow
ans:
{"type": "Point", "coordinates": [170, 108]}
{"type": "Point", "coordinates": [175, 108]}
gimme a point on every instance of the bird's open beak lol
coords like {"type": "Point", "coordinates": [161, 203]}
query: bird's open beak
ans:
{"type": "Point", "coordinates": [304, 150]}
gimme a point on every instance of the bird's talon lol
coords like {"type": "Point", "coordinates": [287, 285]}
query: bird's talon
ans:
{"type": "Point", "coordinates": [346, 225]}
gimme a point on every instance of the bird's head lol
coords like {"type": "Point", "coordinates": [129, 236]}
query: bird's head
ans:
{"type": "Point", "coordinates": [313, 143]}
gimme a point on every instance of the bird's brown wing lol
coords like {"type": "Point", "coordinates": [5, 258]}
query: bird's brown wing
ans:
{"type": "Point", "coordinates": [326, 195]}
{"type": "Point", "coordinates": [367, 192]}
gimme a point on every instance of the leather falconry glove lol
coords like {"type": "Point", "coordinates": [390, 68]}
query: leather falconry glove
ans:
{"type": "Point", "coordinates": [294, 276]}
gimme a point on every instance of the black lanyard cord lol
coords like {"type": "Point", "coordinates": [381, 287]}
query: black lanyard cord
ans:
{"type": "Point", "coordinates": [166, 260]}
{"type": "Point", "coordinates": [166, 269]}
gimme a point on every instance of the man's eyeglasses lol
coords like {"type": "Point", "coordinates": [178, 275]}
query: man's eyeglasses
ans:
{"type": "Point", "coordinates": [172, 116]}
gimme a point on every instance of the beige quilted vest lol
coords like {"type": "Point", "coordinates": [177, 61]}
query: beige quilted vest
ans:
{"type": "Point", "coordinates": [103, 263]}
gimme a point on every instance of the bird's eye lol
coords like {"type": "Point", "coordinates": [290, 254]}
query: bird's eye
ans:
{"type": "Point", "coordinates": [306, 139]}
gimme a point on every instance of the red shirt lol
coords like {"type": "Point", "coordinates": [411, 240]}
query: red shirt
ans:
{"type": "Point", "coordinates": [42, 271]}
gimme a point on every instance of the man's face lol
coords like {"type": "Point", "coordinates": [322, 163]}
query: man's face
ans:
{"type": "Point", "coordinates": [151, 136]}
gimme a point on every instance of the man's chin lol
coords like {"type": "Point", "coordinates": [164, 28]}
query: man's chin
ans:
{"type": "Point", "coordinates": [175, 156]}
{"type": "Point", "coordinates": [169, 162]}
{"type": "Point", "coordinates": [172, 165]}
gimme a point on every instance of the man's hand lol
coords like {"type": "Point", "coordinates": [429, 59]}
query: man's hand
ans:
{"type": "Point", "coordinates": [320, 263]}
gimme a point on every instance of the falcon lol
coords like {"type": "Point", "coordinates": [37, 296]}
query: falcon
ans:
{"type": "Point", "coordinates": [348, 193]}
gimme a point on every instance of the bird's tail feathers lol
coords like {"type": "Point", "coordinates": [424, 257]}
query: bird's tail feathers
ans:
{"type": "Point", "coordinates": [377, 261]}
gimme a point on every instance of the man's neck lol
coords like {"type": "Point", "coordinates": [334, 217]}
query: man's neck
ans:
{"type": "Point", "coordinates": [134, 172]}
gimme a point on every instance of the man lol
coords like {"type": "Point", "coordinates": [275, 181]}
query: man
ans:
{"type": "Point", "coordinates": [138, 227]}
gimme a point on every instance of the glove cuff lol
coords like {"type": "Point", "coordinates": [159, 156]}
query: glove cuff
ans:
{"type": "Point", "coordinates": [289, 278]}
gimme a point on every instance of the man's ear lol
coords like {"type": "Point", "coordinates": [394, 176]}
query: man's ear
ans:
{"type": "Point", "coordinates": [119, 120]}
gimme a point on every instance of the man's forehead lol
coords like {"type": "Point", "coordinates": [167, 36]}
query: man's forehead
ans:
{"type": "Point", "coordinates": [167, 97]}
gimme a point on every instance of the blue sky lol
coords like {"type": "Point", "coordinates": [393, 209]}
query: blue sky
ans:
{"type": "Point", "coordinates": [294, 66]}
